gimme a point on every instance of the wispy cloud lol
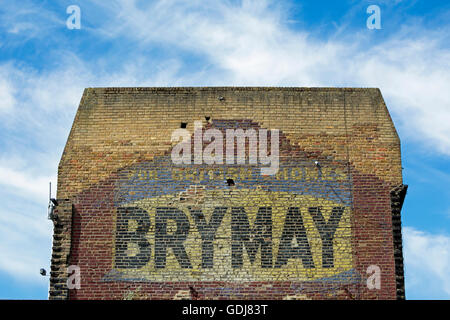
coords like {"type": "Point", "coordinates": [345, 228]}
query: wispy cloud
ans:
{"type": "Point", "coordinates": [7, 92]}
{"type": "Point", "coordinates": [427, 260]}
{"type": "Point", "coordinates": [28, 20]}
{"type": "Point", "coordinates": [25, 184]}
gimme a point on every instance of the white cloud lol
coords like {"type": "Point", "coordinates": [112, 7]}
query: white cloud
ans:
{"type": "Point", "coordinates": [34, 130]}
{"type": "Point", "coordinates": [21, 27]}
{"type": "Point", "coordinates": [25, 184]}
{"type": "Point", "coordinates": [427, 263]}
{"type": "Point", "coordinates": [36, 127]}
{"type": "Point", "coordinates": [7, 92]}
{"type": "Point", "coordinates": [25, 240]}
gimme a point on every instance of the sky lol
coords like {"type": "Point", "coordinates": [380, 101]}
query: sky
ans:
{"type": "Point", "coordinates": [44, 67]}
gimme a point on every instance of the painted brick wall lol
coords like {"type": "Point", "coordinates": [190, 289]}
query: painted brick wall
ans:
{"type": "Point", "coordinates": [141, 227]}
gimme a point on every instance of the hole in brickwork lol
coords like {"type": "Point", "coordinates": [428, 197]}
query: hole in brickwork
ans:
{"type": "Point", "coordinates": [230, 182]}
{"type": "Point", "coordinates": [183, 125]}
{"type": "Point", "coordinates": [207, 118]}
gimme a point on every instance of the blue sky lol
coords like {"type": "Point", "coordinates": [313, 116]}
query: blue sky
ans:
{"type": "Point", "coordinates": [44, 68]}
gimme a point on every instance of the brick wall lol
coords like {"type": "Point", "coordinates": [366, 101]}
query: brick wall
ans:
{"type": "Point", "coordinates": [141, 227]}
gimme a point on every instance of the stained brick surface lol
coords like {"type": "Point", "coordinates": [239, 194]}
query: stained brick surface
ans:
{"type": "Point", "coordinates": [141, 227]}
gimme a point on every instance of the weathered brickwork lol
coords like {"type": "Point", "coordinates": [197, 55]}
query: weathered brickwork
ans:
{"type": "Point", "coordinates": [140, 226]}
